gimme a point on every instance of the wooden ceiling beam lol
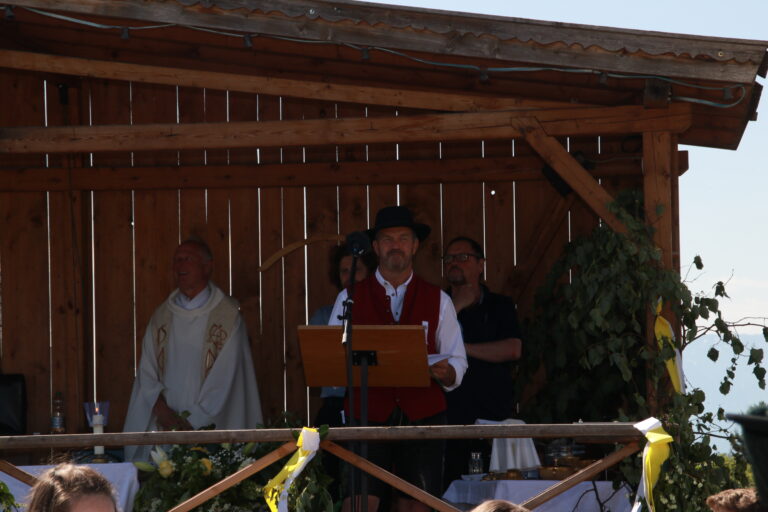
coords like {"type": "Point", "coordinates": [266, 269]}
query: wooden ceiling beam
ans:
{"type": "Point", "coordinates": [584, 184]}
{"type": "Point", "coordinates": [417, 128]}
{"type": "Point", "coordinates": [311, 174]}
{"type": "Point", "coordinates": [447, 34]}
{"type": "Point", "coordinates": [326, 91]}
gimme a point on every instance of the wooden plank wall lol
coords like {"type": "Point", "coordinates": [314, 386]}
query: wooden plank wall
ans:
{"type": "Point", "coordinates": [75, 264]}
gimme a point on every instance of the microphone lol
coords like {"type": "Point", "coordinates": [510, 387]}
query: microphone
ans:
{"type": "Point", "coordinates": [358, 243]}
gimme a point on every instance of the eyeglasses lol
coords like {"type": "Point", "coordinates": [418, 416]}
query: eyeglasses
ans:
{"type": "Point", "coordinates": [461, 257]}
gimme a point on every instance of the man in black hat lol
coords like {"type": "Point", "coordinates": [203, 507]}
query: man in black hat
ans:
{"type": "Point", "coordinates": [395, 295]}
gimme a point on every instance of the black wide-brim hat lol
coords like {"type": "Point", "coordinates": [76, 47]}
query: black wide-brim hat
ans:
{"type": "Point", "coordinates": [396, 217]}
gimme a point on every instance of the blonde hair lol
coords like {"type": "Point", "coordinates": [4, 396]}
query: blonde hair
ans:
{"type": "Point", "coordinates": [59, 487]}
{"type": "Point", "coordinates": [498, 506]}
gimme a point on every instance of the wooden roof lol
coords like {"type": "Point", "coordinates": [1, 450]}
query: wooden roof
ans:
{"type": "Point", "coordinates": [497, 62]}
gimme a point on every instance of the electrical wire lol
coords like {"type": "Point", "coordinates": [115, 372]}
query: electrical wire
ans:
{"type": "Point", "coordinates": [482, 71]}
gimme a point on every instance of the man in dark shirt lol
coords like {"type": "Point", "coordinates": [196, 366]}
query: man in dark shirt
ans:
{"type": "Point", "coordinates": [492, 342]}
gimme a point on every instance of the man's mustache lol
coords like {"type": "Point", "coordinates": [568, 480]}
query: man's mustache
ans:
{"type": "Point", "coordinates": [396, 251]}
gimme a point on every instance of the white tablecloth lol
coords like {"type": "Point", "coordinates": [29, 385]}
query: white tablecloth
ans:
{"type": "Point", "coordinates": [122, 476]}
{"type": "Point", "coordinates": [580, 498]}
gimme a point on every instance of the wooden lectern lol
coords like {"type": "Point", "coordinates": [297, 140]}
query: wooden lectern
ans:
{"type": "Point", "coordinates": [397, 355]}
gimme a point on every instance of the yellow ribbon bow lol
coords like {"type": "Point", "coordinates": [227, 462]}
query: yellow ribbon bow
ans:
{"type": "Point", "coordinates": [656, 451]}
{"type": "Point", "coordinates": [663, 330]}
{"type": "Point", "coordinates": [276, 490]}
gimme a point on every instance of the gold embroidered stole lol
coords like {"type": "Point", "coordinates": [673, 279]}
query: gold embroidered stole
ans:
{"type": "Point", "coordinates": [221, 324]}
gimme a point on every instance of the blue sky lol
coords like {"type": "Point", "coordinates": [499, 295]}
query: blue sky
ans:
{"type": "Point", "coordinates": [723, 202]}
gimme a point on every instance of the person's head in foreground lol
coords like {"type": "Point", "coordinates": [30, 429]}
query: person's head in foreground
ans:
{"type": "Point", "coordinates": [498, 506]}
{"type": "Point", "coordinates": [71, 488]}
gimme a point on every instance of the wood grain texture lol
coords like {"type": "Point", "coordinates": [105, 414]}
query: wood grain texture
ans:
{"type": "Point", "coordinates": [24, 259]}
{"type": "Point", "coordinates": [269, 351]}
{"type": "Point", "coordinates": [246, 280]}
{"type": "Point", "coordinates": [294, 271]}
{"type": "Point", "coordinates": [117, 342]}
{"type": "Point", "coordinates": [424, 203]}
{"type": "Point", "coordinates": [500, 231]}
{"type": "Point", "coordinates": [192, 78]}
{"type": "Point", "coordinates": [155, 134]}
{"type": "Point", "coordinates": [462, 208]}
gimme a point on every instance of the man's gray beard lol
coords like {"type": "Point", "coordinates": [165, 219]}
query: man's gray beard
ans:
{"type": "Point", "coordinates": [389, 264]}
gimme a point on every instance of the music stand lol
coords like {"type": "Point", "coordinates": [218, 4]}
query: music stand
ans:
{"type": "Point", "coordinates": [382, 355]}
{"type": "Point", "coordinates": [397, 355]}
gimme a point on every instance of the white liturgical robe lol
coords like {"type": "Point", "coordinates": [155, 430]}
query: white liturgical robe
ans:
{"type": "Point", "coordinates": [200, 360]}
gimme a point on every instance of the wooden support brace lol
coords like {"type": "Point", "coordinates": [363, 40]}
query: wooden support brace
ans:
{"type": "Point", "coordinates": [585, 474]}
{"type": "Point", "coordinates": [396, 97]}
{"type": "Point", "coordinates": [235, 478]}
{"type": "Point", "coordinates": [18, 474]}
{"type": "Point", "coordinates": [572, 172]}
{"type": "Point", "coordinates": [387, 477]}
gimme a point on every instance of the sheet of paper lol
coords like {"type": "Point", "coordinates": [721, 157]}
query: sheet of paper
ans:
{"type": "Point", "coordinates": [433, 358]}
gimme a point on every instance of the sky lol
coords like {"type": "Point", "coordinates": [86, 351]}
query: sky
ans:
{"type": "Point", "coordinates": [722, 201]}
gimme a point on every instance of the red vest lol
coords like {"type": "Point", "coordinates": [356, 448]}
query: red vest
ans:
{"type": "Point", "coordinates": [421, 303]}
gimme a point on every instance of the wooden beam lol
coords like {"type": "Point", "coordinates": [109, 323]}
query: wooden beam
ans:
{"type": "Point", "coordinates": [450, 34]}
{"type": "Point", "coordinates": [112, 70]}
{"type": "Point", "coordinates": [418, 128]}
{"type": "Point", "coordinates": [19, 474]}
{"type": "Point", "coordinates": [522, 168]}
{"type": "Point", "coordinates": [388, 478]}
{"type": "Point", "coordinates": [574, 174]}
{"type": "Point", "coordinates": [585, 474]}
{"type": "Point", "coordinates": [658, 171]}
{"type": "Point", "coordinates": [235, 478]}
{"type": "Point", "coordinates": [609, 432]}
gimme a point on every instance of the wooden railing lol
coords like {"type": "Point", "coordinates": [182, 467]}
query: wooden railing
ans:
{"type": "Point", "coordinates": [603, 433]}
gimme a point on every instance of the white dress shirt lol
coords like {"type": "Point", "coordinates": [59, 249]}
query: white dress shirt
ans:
{"type": "Point", "coordinates": [447, 337]}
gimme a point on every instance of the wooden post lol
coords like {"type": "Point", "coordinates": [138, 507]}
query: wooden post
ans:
{"type": "Point", "coordinates": [658, 170]}
{"type": "Point", "coordinates": [659, 151]}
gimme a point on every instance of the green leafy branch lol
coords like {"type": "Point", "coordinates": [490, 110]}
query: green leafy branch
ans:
{"type": "Point", "coordinates": [590, 337]}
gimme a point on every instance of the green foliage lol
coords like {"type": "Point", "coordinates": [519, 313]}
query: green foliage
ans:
{"type": "Point", "coordinates": [7, 501]}
{"type": "Point", "coordinates": [185, 470]}
{"type": "Point", "coordinates": [590, 335]}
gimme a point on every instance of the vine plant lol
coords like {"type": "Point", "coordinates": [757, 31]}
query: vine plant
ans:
{"type": "Point", "coordinates": [589, 334]}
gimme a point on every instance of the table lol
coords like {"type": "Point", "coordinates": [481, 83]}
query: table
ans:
{"type": "Point", "coordinates": [580, 498]}
{"type": "Point", "coordinates": [123, 477]}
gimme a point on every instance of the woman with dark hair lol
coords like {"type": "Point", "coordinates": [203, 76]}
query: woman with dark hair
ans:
{"type": "Point", "coordinates": [71, 488]}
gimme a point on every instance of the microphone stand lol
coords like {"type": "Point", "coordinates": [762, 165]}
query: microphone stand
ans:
{"type": "Point", "coordinates": [347, 341]}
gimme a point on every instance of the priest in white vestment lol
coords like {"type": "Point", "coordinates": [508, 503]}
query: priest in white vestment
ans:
{"type": "Point", "coordinates": [195, 359]}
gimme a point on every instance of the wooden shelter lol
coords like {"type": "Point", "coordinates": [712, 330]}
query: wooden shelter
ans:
{"type": "Point", "coordinates": [127, 126]}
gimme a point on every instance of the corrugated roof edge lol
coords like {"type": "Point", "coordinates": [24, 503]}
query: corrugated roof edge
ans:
{"type": "Point", "coordinates": [507, 29]}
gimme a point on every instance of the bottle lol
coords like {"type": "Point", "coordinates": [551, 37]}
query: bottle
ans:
{"type": "Point", "coordinates": [57, 415]}
{"type": "Point", "coordinates": [475, 463]}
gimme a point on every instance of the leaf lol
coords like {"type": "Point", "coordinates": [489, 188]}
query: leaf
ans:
{"type": "Point", "coordinates": [144, 466]}
{"type": "Point", "coordinates": [713, 354]}
{"type": "Point", "coordinates": [755, 356]}
{"type": "Point", "coordinates": [720, 290]}
{"type": "Point", "coordinates": [697, 261]}
{"type": "Point", "coordinates": [737, 345]}
{"type": "Point", "coordinates": [725, 387]}
{"type": "Point", "coordinates": [765, 333]}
